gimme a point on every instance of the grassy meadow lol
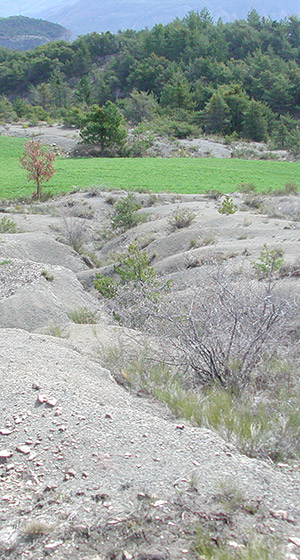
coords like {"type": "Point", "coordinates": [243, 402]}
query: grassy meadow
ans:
{"type": "Point", "coordinates": [178, 175]}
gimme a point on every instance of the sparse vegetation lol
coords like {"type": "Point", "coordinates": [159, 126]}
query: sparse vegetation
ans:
{"type": "Point", "coordinates": [7, 225]}
{"type": "Point", "coordinates": [83, 316]}
{"type": "Point", "coordinates": [47, 275]}
{"type": "Point", "coordinates": [208, 547]}
{"type": "Point", "coordinates": [74, 231]}
{"type": "Point", "coordinates": [125, 213]}
{"type": "Point", "coordinates": [268, 263]}
{"type": "Point", "coordinates": [57, 331]}
{"type": "Point", "coordinates": [227, 206]}
{"type": "Point", "coordinates": [181, 218]}
{"type": "Point", "coordinates": [36, 529]}
{"type": "Point", "coordinates": [134, 266]}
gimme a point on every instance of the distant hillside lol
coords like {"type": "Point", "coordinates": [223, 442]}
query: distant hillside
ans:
{"type": "Point", "coordinates": [30, 8]}
{"type": "Point", "coordinates": [85, 16]}
{"type": "Point", "coordinates": [22, 33]}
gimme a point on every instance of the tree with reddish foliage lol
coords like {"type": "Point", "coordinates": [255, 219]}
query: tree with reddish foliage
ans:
{"type": "Point", "coordinates": [38, 162]}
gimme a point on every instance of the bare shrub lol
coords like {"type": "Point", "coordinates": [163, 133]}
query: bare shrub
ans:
{"type": "Point", "coordinates": [74, 231]}
{"type": "Point", "coordinates": [224, 331]}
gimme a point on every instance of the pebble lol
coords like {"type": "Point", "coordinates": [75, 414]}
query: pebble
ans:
{"type": "Point", "coordinates": [5, 454]}
{"type": "Point", "coordinates": [53, 545]}
{"type": "Point", "coordinates": [51, 402]}
{"type": "Point", "coordinates": [6, 431]}
{"type": "Point", "coordinates": [295, 540]}
{"type": "Point", "coordinates": [25, 449]}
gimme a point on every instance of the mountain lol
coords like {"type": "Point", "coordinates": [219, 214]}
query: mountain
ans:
{"type": "Point", "coordinates": [22, 33]}
{"type": "Point", "coordinates": [85, 16]}
{"type": "Point", "coordinates": [30, 7]}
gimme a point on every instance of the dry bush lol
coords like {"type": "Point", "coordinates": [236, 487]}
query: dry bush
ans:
{"type": "Point", "coordinates": [74, 231]}
{"type": "Point", "coordinates": [224, 331]}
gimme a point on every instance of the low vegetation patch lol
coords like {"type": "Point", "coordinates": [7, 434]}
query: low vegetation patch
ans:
{"type": "Point", "coordinates": [181, 218]}
{"type": "Point", "coordinates": [227, 206]}
{"type": "Point", "coordinates": [125, 213]}
{"type": "Point", "coordinates": [7, 225]}
{"type": "Point", "coordinates": [83, 316]}
{"type": "Point", "coordinates": [227, 356]}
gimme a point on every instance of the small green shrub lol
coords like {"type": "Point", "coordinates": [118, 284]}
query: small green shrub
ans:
{"type": "Point", "coordinates": [134, 266]}
{"type": "Point", "coordinates": [269, 262]}
{"type": "Point", "coordinates": [83, 316]}
{"type": "Point", "coordinates": [181, 218]}
{"type": "Point", "coordinates": [105, 285]}
{"type": "Point", "coordinates": [7, 225]}
{"type": "Point", "coordinates": [125, 216]}
{"type": "Point", "coordinates": [227, 207]}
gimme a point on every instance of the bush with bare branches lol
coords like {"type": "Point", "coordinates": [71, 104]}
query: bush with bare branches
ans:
{"type": "Point", "coordinates": [225, 331]}
{"type": "Point", "coordinates": [74, 231]}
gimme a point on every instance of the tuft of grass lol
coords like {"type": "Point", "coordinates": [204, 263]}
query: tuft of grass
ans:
{"type": "Point", "coordinates": [56, 330]}
{"type": "Point", "coordinates": [83, 316]}
{"type": "Point", "coordinates": [49, 277]}
{"type": "Point", "coordinates": [35, 529]}
{"type": "Point", "coordinates": [230, 495]}
{"type": "Point", "coordinates": [181, 218]}
{"type": "Point", "coordinates": [209, 546]}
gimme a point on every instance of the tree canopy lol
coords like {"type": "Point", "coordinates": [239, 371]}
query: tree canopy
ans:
{"type": "Point", "coordinates": [194, 71]}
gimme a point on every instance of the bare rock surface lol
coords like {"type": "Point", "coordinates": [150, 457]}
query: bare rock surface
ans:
{"type": "Point", "coordinates": [39, 248]}
{"type": "Point", "coordinates": [45, 296]}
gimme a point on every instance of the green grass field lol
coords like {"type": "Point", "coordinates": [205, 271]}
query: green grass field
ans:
{"type": "Point", "coordinates": [178, 175]}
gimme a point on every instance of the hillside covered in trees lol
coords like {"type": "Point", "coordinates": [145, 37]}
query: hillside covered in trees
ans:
{"type": "Point", "coordinates": [236, 79]}
{"type": "Point", "coordinates": [21, 33]}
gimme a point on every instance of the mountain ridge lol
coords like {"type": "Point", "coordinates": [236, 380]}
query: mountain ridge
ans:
{"type": "Point", "coordinates": [86, 16]}
{"type": "Point", "coordinates": [22, 33]}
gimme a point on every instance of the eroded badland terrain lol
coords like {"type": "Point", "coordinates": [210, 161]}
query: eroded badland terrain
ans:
{"type": "Point", "coordinates": [92, 465]}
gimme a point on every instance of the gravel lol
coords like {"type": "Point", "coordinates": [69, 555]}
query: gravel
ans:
{"type": "Point", "coordinates": [14, 274]}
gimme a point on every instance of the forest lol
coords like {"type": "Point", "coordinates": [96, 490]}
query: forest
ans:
{"type": "Point", "coordinates": [238, 79]}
